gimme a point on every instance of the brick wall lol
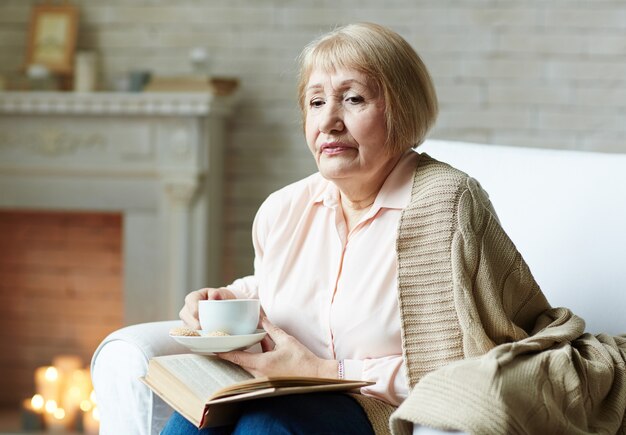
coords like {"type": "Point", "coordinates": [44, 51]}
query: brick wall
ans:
{"type": "Point", "coordinates": [528, 72]}
{"type": "Point", "coordinates": [60, 291]}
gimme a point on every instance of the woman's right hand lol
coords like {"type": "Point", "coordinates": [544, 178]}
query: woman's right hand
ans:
{"type": "Point", "coordinates": [189, 313]}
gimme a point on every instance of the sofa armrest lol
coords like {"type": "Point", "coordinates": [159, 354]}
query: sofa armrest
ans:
{"type": "Point", "coordinates": [126, 405]}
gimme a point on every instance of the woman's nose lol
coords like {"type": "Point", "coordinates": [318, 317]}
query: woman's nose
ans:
{"type": "Point", "coordinates": [331, 119]}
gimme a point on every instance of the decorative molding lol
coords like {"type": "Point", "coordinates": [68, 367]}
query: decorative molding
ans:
{"type": "Point", "coordinates": [52, 142]}
{"type": "Point", "coordinates": [181, 192]}
{"type": "Point", "coordinates": [114, 103]}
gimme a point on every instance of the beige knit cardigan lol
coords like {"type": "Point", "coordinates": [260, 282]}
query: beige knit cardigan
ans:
{"type": "Point", "coordinates": [485, 353]}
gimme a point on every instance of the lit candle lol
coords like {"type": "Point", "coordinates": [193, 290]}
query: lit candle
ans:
{"type": "Point", "coordinates": [91, 421]}
{"type": "Point", "coordinates": [55, 417]}
{"type": "Point", "coordinates": [77, 389]}
{"type": "Point", "coordinates": [32, 414]}
{"type": "Point", "coordinates": [70, 379]}
{"type": "Point", "coordinates": [71, 402]}
{"type": "Point", "coordinates": [82, 380]}
{"type": "Point", "coordinates": [50, 406]}
{"type": "Point", "coordinates": [47, 382]}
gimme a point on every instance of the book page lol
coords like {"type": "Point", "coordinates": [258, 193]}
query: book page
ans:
{"type": "Point", "coordinates": [285, 381]}
{"type": "Point", "coordinates": [203, 374]}
{"type": "Point", "coordinates": [282, 391]}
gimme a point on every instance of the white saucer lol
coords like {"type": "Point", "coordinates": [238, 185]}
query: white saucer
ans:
{"type": "Point", "coordinates": [209, 345]}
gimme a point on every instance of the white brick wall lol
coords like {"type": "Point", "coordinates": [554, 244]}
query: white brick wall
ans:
{"type": "Point", "coordinates": [524, 72]}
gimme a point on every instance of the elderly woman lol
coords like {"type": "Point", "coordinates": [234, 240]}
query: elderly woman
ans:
{"type": "Point", "coordinates": [384, 266]}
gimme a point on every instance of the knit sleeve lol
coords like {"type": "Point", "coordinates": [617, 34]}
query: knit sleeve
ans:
{"type": "Point", "coordinates": [497, 298]}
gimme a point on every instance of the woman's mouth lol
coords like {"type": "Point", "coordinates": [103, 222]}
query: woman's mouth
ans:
{"type": "Point", "coordinates": [331, 149]}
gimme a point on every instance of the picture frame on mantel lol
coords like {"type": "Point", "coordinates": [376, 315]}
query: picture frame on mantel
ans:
{"type": "Point", "coordinates": [52, 37]}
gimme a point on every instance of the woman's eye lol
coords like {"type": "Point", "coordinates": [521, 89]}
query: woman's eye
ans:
{"type": "Point", "coordinates": [316, 103]}
{"type": "Point", "coordinates": [354, 99]}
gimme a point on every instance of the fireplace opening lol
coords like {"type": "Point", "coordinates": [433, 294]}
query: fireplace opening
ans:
{"type": "Point", "coordinates": [61, 291]}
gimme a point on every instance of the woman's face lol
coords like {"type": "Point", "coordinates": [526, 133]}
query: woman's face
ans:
{"type": "Point", "coordinates": [345, 126]}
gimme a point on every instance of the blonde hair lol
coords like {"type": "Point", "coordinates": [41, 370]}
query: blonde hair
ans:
{"type": "Point", "coordinates": [392, 64]}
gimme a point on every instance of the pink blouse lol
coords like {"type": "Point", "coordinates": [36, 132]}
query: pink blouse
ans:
{"type": "Point", "coordinates": [336, 292]}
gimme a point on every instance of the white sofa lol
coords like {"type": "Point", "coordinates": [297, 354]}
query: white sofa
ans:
{"type": "Point", "coordinates": [565, 210]}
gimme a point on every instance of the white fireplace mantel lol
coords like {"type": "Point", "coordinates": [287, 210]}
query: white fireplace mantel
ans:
{"type": "Point", "coordinates": [157, 158]}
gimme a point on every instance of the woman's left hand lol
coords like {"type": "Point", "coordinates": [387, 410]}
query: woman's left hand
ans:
{"type": "Point", "coordinates": [288, 357]}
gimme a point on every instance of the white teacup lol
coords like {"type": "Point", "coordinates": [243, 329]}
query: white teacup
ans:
{"type": "Point", "coordinates": [232, 316]}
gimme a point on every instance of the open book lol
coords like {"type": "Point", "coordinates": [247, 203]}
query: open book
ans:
{"type": "Point", "coordinates": [207, 390]}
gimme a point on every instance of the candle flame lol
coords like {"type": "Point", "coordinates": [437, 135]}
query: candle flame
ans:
{"type": "Point", "coordinates": [37, 402]}
{"type": "Point", "coordinates": [51, 406]}
{"type": "Point", "coordinates": [95, 414]}
{"type": "Point", "coordinates": [85, 405]}
{"type": "Point", "coordinates": [52, 374]}
{"type": "Point", "coordinates": [59, 413]}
